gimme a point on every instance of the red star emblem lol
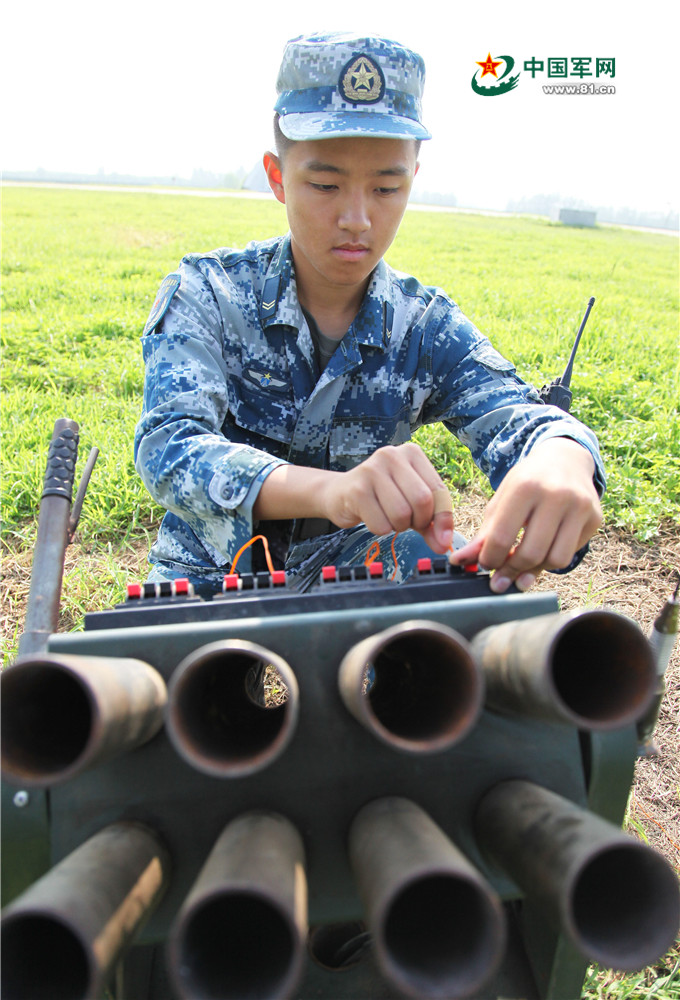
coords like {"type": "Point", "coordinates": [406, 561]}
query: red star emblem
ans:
{"type": "Point", "coordinates": [489, 66]}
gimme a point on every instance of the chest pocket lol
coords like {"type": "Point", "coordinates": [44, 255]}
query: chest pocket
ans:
{"type": "Point", "coordinates": [262, 410]}
{"type": "Point", "coordinates": [355, 438]}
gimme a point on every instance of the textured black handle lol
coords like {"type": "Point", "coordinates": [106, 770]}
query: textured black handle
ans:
{"type": "Point", "coordinates": [61, 460]}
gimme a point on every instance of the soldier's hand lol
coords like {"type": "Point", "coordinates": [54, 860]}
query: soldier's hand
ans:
{"type": "Point", "coordinates": [545, 509]}
{"type": "Point", "coordinates": [397, 488]}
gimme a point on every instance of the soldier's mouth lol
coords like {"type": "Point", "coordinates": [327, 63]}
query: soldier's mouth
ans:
{"type": "Point", "coordinates": [351, 251]}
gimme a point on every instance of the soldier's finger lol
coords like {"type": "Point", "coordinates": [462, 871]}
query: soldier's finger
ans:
{"type": "Point", "coordinates": [439, 533]}
{"type": "Point", "coordinates": [468, 553]}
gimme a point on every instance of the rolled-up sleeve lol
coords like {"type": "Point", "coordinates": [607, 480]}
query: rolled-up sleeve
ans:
{"type": "Point", "coordinates": [181, 452]}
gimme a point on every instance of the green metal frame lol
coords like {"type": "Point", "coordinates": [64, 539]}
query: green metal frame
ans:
{"type": "Point", "coordinates": [331, 768]}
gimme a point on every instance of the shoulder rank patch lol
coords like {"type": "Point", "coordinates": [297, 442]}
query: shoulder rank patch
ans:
{"type": "Point", "coordinates": [388, 322]}
{"type": "Point", "coordinates": [270, 297]}
{"type": "Point", "coordinates": [162, 301]}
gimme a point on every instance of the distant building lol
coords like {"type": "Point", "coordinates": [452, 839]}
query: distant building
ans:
{"type": "Point", "coordinates": [577, 217]}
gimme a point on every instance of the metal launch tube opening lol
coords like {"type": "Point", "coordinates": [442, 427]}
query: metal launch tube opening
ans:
{"type": "Point", "coordinates": [62, 714]}
{"type": "Point", "coordinates": [602, 669]}
{"type": "Point", "coordinates": [624, 907]}
{"type": "Point", "coordinates": [591, 669]}
{"type": "Point", "coordinates": [47, 719]}
{"type": "Point", "coordinates": [615, 898]}
{"type": "Point", "coordinates": [441, 936]}
{"type": "Point", "coordinates": [216, 716]}
{"type": "Point", "coordinates": [438, 926]}
{"type": "Point", "coordinates": [32, 944]}
{"type": "Point", "coordinates": [241, 930]}
{"type": "Point", "coordinates": [416, 686]}
{"type": "Point", "coordinates": [234, 946]}
{"type": "Point", "coordinates": [63, 937]}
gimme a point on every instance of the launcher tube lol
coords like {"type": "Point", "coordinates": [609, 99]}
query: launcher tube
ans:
{"type": "Point", "coordinates": [426, 692]}
{"type": "Point", "coordinates": [212, 719]}
{"type": "Point", "coordinates": [63, 714]}
{"type": "Point", "coordinates": [615, 897]}
{"type": "Point", "coordinates": [63, 937]}
{"type": "Point", "coordinates": [591, 669]}
{"type": "Point", "coordinates": [438, 927]}
{"type": "Point", "coordinates": [242, 928]}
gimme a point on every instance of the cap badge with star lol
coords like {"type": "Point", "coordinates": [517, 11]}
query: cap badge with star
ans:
{"type": "Point", "coordinates": [361, 81]}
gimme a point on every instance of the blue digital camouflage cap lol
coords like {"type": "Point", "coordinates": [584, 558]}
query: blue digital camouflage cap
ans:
{"type": "Point", "coordinates": [337, 84]}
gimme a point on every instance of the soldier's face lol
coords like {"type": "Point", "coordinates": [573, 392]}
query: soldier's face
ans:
{"type": "Point", "coordinates": [345, 199]}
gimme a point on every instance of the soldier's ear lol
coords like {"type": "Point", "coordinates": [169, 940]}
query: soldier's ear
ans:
{"type": "Point", "coordinates": [272, 166]}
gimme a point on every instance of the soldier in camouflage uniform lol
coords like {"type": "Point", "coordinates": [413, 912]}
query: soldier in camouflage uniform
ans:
{"type": "Point", "coordinates": [284, 381]}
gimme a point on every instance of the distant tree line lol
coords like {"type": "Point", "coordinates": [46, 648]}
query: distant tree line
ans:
{"type": "Point", "coordinates": [537, 204]}
{"type": "Point", "coordinates": [199, 178]}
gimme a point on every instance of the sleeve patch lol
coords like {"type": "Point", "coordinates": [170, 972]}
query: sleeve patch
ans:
{"type": "Point", "coordinates": [162, 301]}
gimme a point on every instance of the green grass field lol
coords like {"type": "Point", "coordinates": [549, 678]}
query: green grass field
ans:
{"type": "Point", "coordinates": [80, 270]}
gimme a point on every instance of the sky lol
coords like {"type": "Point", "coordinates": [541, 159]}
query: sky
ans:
{"type": "Point", "coordinates": [159, 89]}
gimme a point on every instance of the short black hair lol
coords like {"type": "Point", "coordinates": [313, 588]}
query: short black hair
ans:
{"type": "Point", "coordinates": [283, 143]}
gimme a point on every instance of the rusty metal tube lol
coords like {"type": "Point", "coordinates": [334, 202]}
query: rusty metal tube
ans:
{"type": "Point", "coordinates": [242, 929]}
{"type": "Point", "coordinates": [426, 692]}
{"type": "Point", "coordinates": [63, 714]}
{"type": "Point", "coordinates": [212, 719]}
{"type": "Point", "coordinates": [613, 896]}
{"type": "Point", "coordinates": [438, 927]}
{"type": "Point", "coordinates": [63, 937]}
{"type": "Point", "coordinates": [592, 669]}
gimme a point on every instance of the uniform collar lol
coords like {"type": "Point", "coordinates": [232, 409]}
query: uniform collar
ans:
{"type": "Point", "coordinates": [279, 303]}
{"type": "Point", "coordinates": [373, 323]}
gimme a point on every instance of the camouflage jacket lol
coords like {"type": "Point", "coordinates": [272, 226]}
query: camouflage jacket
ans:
{"type": "Point", "coordinates": [232, 391]}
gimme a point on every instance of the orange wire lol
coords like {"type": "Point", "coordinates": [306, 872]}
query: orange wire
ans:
{"type": "Point", "coordinates": [394, 556]}
{"type": "Point", "coordinates": [374, 551]}
{"type": "Point", "coordinates": [255, 538]}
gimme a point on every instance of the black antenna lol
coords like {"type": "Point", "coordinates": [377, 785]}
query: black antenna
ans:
{"type": "Point", "coordinates": [557, 393]}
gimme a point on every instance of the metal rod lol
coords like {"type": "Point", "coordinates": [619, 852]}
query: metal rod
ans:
{"type": "Point", "coordinates": [592, 669]}
{"type": "Point", "coordinates": [62, 714]}
{"type": "Point", "coordinates": [438, 928]}
{"type": "Point", "coordinates": [42, 610]}
{"type": "Point", "coordinates": [212, 719]}
{"type": "Point", "coordinates": [80, 493]}
{"type": "Point", "coordinates": [242, 929]}
{"type": "Point", "coordinates": [613, 896]}
{"type": "Point", "coordinates": [662, 639]}
{"type": "Point", "coordinates": [415, 686]}
{"type": "Point", "coordinates": [62, 938]}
